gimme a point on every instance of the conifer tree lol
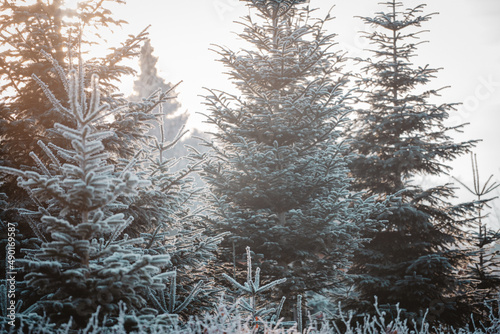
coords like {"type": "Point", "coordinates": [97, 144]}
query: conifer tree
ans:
{"type": "Point", "coordinates": [84, 262]}
{"type": "Point", "coordinates": [42, 38]}
{"type": "Point", "coordinates": [252, 289]}
{"type": "Point", "coordinates": [147, 83]}
{"type": "Point", "coordinates": [277, 169]}
{"type": "Point", "coordinates": [170, 122]}
{"type": "Point", "coordinates": [414, 255]}
{"type": "Point", "coordinates": [485, 263]}
{"type": "Point", "coordinates": [162, 214]}
{"type": "Point", "coordinates": [167, 218]}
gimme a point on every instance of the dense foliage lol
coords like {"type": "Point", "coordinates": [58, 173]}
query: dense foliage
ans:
{"type": "Point", "coordinates": [278, 169]}
{"type": "Point", "coordinates": [34, 36]}
{"type": "Point", "coordinates": [416, 253]}
{"type": "Point", "coordinates": [114, 232]}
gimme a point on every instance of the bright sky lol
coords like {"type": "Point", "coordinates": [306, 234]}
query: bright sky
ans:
{"type": "Point", "coordinates": [464, 40]}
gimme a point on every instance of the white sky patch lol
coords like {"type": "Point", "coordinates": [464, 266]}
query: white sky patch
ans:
{"type": "Point", "coordinates": [72, 4]}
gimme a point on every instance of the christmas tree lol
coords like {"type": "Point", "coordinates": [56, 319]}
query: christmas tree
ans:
{"type": "Point", "coordinates": [147, 83]}
{"type": "Point", "coordinates": [415, 254]}
{"type": "Point", "coordinates": [85, 261]}
{"type": "Point", "coordinates": [278, 171]}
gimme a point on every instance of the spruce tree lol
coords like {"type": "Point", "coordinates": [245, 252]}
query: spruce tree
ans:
{"type": "Point", "coordinates": [277, 169]}
{"type": "Point", "coordinates": [85, 261]}
{"type": "Point", "coordinates": [414, 255]}
{"type": "Point", "coordinates": [147, 83]}
{"type": "Point", "coordinates": [485, 264]}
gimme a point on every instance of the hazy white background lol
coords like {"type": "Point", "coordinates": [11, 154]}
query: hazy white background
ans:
{"type": "Point", "coordinates": [464, 40]}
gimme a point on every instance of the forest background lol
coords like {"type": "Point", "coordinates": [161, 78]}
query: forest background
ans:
{"type": "Point", "coordinates": [463, 40]}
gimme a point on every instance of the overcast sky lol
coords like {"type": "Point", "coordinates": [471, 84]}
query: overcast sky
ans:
{"type": "Point", "coordinates": [464, 40]}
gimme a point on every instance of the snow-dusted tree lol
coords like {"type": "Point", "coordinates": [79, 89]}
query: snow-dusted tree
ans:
{"type": "Point", "coordinates": [36, 36]}
{"type": "Point", "coordinates": [170, 122]}
{"type": "Point", "coordinates": [412, 258]}
{"type": "Point", "coordinates": [277, 169]}
{"type": "Point", "coordinates": [166, 218]}
{"type": "Point", "coordinates": [485, 264]}
{"type": "Point", "coordinates": [249, 294]}
{"type": "Point", "coordinates": [147, 83]}
{"type": "Point", "coordinates": [85, 261]}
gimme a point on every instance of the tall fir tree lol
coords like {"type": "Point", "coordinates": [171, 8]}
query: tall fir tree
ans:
{"type": "Point", "coordinates": [277, 170]}
{"type": "Point", "coordinates": [170, 122]}
{"type": "Point", "coordinates": [414, 256]}
{"type": "Point", "coordinates": [162, 217]}
{"type": "Point", "coordinates": [112, 230]}
{"type": "Point", "coordinates": [41, 38]}
{"type": "Point", "coordinates": [147, 83]}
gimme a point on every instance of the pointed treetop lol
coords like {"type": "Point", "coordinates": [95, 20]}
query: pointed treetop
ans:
{"type": "Point", "coordinates": [395, 19]}
{"type": "Point", "coordinates": [275, 8]}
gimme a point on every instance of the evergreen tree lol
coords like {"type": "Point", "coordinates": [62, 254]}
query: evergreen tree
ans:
{"type": "Point", "coordinates": [171, 121]}
{"type": "Point", "coordinates": [42, 38]}
{"type": "Point", "coordinates": [485, 263]}
{"type": "Point", "coordinates": [277, 169]}
{"type": "Point", "coordinates": [414, 255]}
{"type": "Point", "coordinates": [161, 222]}
{"type": "Point", "coordinates": [167, 218]}
{"type": "Point", "coordinates": [84, 262]}
{"type": "Point", "coordinates": [147, 83]}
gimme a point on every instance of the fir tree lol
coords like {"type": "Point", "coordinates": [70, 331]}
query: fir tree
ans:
{"type": "Point", "coordinates": [147, 83]}
{"type": "Point", "coordinates": [84, 262]}
{"type": "Point", "coordinates": [170, 122]}
{"type": "Point", "coordinates": [42, 38]}
{"type": "Point", "coordinates": [252, 290]}
{"type": "Point", "coordinates": [414, 256]}
{"type": "Point", "coordinates": [277, 170]}
{"type": "Point", "coordinates": [485, 263]}
{"type": "Point", "coordinates": [167, 218]}
{"type": "Point", "coordinates": [162, 215]}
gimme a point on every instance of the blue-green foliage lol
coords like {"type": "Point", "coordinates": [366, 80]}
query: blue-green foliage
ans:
{"type": "Point", "coordinates": [251, 291]}
{"type": "Point", "coordinates": [416, 253]}
{"type": "Point", "coordinates": [278, 166]}
{"type": "Point", "coordinates": [85, 261]}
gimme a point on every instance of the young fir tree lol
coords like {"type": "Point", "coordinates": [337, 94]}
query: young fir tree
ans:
{"type": "Point", "coordinates": [166, 217]}
{"type": "Point", "coordinates": [84, 262]}
{"type": "Point", "coordinates": [277, 170]}
{"type": "Point", "coordinates": [485, 264]}
{"type": "Point", "coordinates": [413, 256]}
